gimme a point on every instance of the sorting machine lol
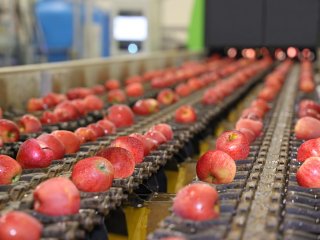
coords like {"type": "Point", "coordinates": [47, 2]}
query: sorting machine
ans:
{"type": "Point", "coordinates": [263, 202]}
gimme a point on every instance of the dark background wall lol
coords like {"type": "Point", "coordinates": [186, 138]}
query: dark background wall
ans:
{"type": "Point", "coordinates": [255, 23]}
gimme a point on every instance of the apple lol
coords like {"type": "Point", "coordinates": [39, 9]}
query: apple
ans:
{"type": "Point", "coordinates": [112, 84]}
{"type": "Point", "coordinates": [122, 161]}
{"type": "Point", "coordinates": [98, 130]}
{"type": "Point", "coordinates": [34, 153]}
{"type": "Point", "coordinates": [146, 106]}
{"type": "Point", "coordinates": [70, 141]}
{"type": "Point", "coordinates": [254, 125]}
{"type": "Point", "coordinates": [48, 117]}
{"type": "Point", "coordinates": [308, 175]}
{"type": "Point", "coordinates": [310, 148]}
{"type": "Point", "coordinates": [85, 134]}
{"type": "Point", "coordinates": [197, 202]}
{"type": "Point", "coordinates": [252, 111]}
{"type": "Point", "coordinates": [309, 104]}
{"type": "Point", "coordinates": [134, 79]}
{"type": "Point", "coordinates": [261, 104]}
{"type": "Point", "coordinates": [167, 97]}
{"type": "Point", "coordinates": [216, 167]}
{"type": "Point", "coordinates": [81, 106]}
{"type": "Point", "coordinates": [148, 143]}
{"type": "Point", "coordinates": [29, 124]}
{"type": "Point", "coordinates": [211, 96]}
{"type": "Point", "coordinates": [308, 112]}
{"type": "Point", "coordinates": [116, 96]}
{"type": "Point", "coordinates": [15, 225]}
{"type": "Point", "coordinates": [93, 174]}
{"type": "Point", "coordinates": [98, 89]}
{"type": "Point", "coordinates": [267, 93]}
{"type": "Point", "coordinates": [165, 129]}
{"type": "Point", "coordinates": [107, 126]}
{"type": "Point", "coordinates": [66, 111]}
{"type": "Point", "coordinates": [121, 115]}
{"type": "Point", "coordinates": [93, 103]}
{"type": "Point", "coordinates": [307, 86]}
{"type": "Point", "coordinates": [35, 104]}
{"type": "Point", "coordinates": [157, 136]}
{"type": "Point", "coordinates": [234, 143]}
{"type": "Point", "coordinates": [307, 128]}
{"type": "Point", "coordinates": [133, 145]}
{"type": "Point", "coordinates": [134, 90]}
{"type": "Point", "coordinates": [248, 133]}
{"type": "Point", "coordinates": [57, 197]}
{"type": "Point", "coordinates": [183, 90]}
{"type": "Point", "coordinates": [53, 99]}
{"type": "Point", "coordinates": [78, 92]}
{"type": "Point", "coordinates": [10, 170]}
{"type": "Point", "coordinates": [54, 144]}
{"type": "Point", "coordinates": [9, 131]}
{"type": "Point", "coordinates": [185, 114]}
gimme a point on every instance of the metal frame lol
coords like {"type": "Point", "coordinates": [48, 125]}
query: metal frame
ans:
{"type": "Point", "coordinates": [18, 84]}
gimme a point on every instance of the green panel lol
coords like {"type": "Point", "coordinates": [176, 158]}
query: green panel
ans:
{"type": "Point", "coordinates": [196, 26]}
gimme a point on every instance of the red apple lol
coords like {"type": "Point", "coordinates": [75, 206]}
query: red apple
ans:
{"type": "Point", "coordinates": [134, 79]}
{"type": "Point", "coordinates": [121, 159]}
{"type": "Point", "coordinates": [97, 129]}
{"type": "Point", "coordinates": [53, 99]}
{"type": "Point", "coordinates": [249, 134]}
{"type": "Point", "coordinates": [29, 124]}
{"type": "Point", "coordinates": [66, 111]}
{"type": "Point", "coordinates": [121, 115]}
{"type": "Point", "coordinates": [70, 140]}
{"type": "Point", "coordinates": [267, 94]}
{"type": "Point", "coordinates": [197, 202]}
{"type": "Point", "coordinates": [307, 86]}
{"type": "Point", "coordinates": [252, 111]}
{"type": "Point", "coordinates": [157, 136]}
{"type": "Point", "coordinates": [308, 175]}
{"type": "Point", "coordinates": [34, 153]}
{"type": "Point", "coordinates": [260, 104]}
{"type": "Point", "coordinates": [93, 103]}
{"type": "Point", "coordinates": [112, 84]}
{"type": "Point", "coordinates": [107, 126]}
{"type": "Point", "coordinates": [93, 174]}
{"type": "Point", "coordinates": [35, 104]}
{"type": "Point", "coordinates": [134, 90]}
{"type": "Point", "coordinates": [85, 134]}
{"type": "Point", "coordinates": [216, 167]}
{"type": "Point", "coordinates": [254, 125]}
{"type": "Point", "coordinates": [78, 92]}
{"type": "Point", "coordinates": [48, 118]}
{"type": "Point", "coordinates": [9, 131]}
{"type": "Point", "coordinates": [116, 96]}
{"type": "Point", "coordinates": [211, 96]}
{"type": "Point", "coordinates": [16, 225]}
{"type": "Point", "coordinates": [57, 197]}
{"type": "Point", "coordinates": [165, 129]}
{"type": "Point", "coordinates": [183, 90]}
{"type": "Point", "coordinates": [234, 143]}
{"type": "Point", "coordinates": [81, 106]}
{"type": "Point", "coordinates": [185, 114]}
{"type": "Point", "coordinates": [133, 145]}
{"type": "Point", "coordinates": [309, 104]}
{"type": "Point", "coordinates": [54, 144]}
{"type": "Point", "coordinates": [10, 170]}
{"type": "Point", "coordinates": [310, 148]}
{"type": "Point", "coordinates": [148, 144]}
{"type": "Point", "coordinates": [146, 106]}
{"type": "Point", "coordinates": [307, 128]}
{"type": "Point", "coordinates": [166, 97]}
{"type": "Point", "coordinates": [98, 89]}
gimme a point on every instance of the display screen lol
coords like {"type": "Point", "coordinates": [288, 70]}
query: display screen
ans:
{"type": "Point", "coordinates": [130, 28]}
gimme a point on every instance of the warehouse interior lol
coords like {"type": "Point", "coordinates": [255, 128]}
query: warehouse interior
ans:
{"type": "Point", "coordinates": [159, 119]}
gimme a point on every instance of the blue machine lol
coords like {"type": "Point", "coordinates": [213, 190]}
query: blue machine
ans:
{"type": "Point", "coordinates": [55, 21]}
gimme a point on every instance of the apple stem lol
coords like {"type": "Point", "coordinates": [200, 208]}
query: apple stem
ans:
{"type": "Point", "coordinates": [15, 178]}
{"type": "Point", "coordinates": [232, 137]}
{"type": "Point", "coordinates": [102, 167]}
